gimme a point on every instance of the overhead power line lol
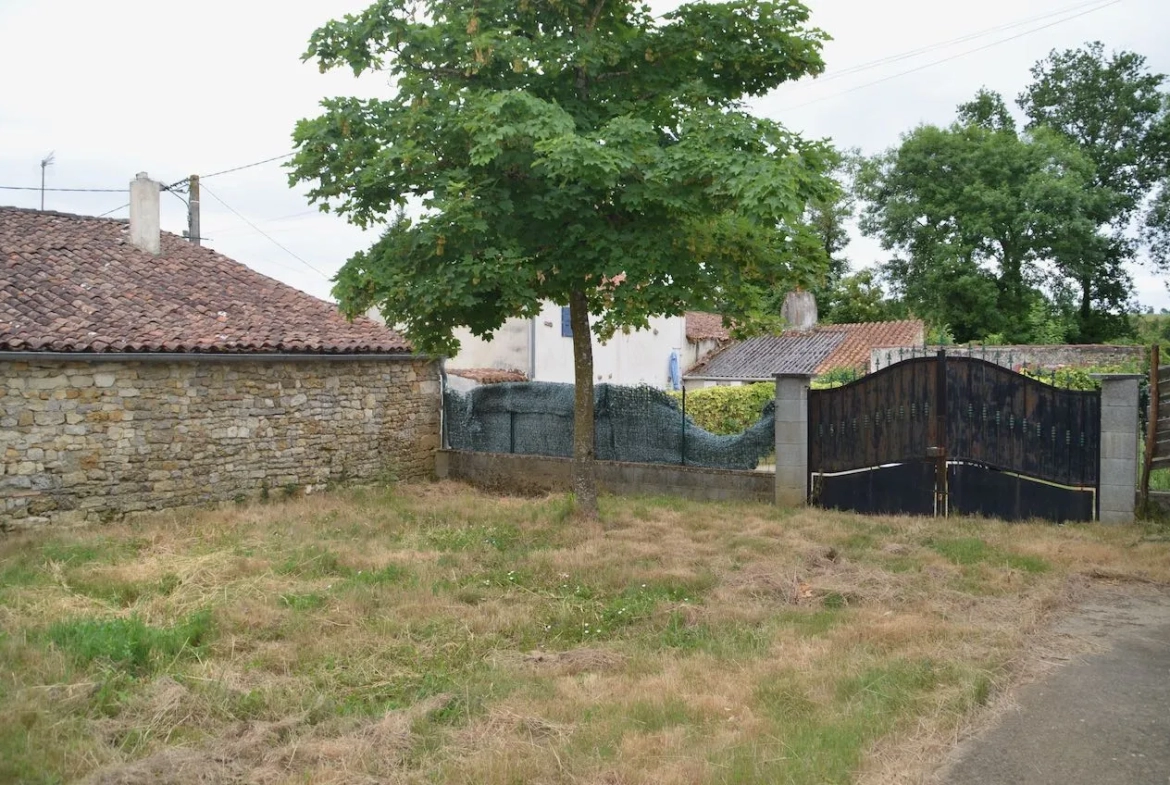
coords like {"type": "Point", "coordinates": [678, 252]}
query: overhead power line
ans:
{"type": "Point", "coordinates": [912, 53]}
{"type": "Point", "coordinates": [247, 166]}
{"type": "Point", "coordinates": [269, 221]}
{"type": "Point", "coordinates": [952, 57]}
{"type": "Point", "coordinates": [116, 209]}
{"type": "Point", "coordinates": [63, 190]}
{"type": "Point", "coordinates": [267, 236]}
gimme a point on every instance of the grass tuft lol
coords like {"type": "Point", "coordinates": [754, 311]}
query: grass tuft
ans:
{"type": "Point", "coordinates": [967, 551]}
{"type": "Point", "coordinates": [129, 644]}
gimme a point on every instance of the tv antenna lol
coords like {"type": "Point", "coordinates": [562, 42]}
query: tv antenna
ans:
{"type": "Point", "coordinates": [46, 162]}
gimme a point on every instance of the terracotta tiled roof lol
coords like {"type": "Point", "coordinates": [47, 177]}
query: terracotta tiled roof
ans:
{"type": "Point", "coordinates": [813, 352]}
{"type": "Point", "coordinates": [860, 339]}
{"type": "Point", "coordinates": [488, 375]}
{"type": "Point", "coordinates": [71, 283]}
{"type": "Point", "coordinates": [706, 327]}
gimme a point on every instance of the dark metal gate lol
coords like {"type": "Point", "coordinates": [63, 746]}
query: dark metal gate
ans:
{"type": "Point", "coordinates": [942, 435]}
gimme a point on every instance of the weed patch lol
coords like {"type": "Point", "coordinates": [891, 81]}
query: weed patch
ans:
{"type": "Point", "coordinates": [313, 561]}
{"type": "Point", "coordinates": [303, 602]}
{"type": "Point", "coordinates": [130, 644]}
{"type": "Point", "coordinates": [725, 641]}
{"type": "Point", "coordinates": [106, 550]}
{"type": "Point", "coordinates": [968, 551]}
{"type": "Point", "coordinates": [15, 573]}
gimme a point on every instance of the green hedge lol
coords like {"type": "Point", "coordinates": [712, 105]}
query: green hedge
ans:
{"type": "Point", "coordinates": [732, 410]}
{"type": "Point", "coordinates": [728, 410]}
{"type": "Point", "coordinates": [1081, 377]}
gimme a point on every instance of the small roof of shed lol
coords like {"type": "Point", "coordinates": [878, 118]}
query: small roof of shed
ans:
{"type": "Point", "coordinates": [811, 352]}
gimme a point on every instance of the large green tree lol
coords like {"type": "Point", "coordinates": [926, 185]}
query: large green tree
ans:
{"type": "Point", "coordinates": [1114, 109]}
{"type": "Point", "coordinates": [579, 151]}
{"type": "Point", "coordinates": [973, 212]}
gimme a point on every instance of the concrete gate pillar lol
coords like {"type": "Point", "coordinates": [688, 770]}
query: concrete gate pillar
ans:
{"type": "Point", "coordinates": [792, 439]}
{"type": "Point", "coordinates": [1119, 447]}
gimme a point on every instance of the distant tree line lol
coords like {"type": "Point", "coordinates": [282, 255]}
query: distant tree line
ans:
{"type": "Point", "coordinates": [1013, 232]}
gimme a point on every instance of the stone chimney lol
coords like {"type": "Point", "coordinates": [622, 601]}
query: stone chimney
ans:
{"type": "Point", "coordinates": [800, 311]}
{"type": "Point", "coordinates": [144, 220]}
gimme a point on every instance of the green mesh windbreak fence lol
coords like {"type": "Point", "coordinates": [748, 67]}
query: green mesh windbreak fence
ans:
{"type": "Point", "coordinates": [635, 424]}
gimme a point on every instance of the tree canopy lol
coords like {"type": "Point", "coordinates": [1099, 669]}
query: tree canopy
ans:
{"type": "Point", "coordinates": [858, 297]}
{"type": "Point", "coordinates": [582, 152]}
{"type": "Point", "coordinates": [973, 212]}
{"type": "Point", "coordinates": [1114, 110]}
{"type": "Point", "coordinates": [1024, 234]}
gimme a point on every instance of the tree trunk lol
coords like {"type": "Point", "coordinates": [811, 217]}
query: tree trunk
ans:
{"type": "Point", "coordinates": [584, 469]}
{"type": "Point", "coordinates": [1087, 333]}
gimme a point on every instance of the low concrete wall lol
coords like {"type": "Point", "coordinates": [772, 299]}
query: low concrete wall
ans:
{"type": "Point", "coordinates": [540, 474]}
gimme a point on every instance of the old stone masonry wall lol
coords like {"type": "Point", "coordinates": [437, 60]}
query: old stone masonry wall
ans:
{"type": "Point", "coordinates": [85, 441]}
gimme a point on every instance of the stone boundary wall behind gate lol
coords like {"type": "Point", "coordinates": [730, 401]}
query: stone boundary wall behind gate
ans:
{"type": "Point", "coordinates": [92, 440]}
{"type": "Point", "coordinates": [1046, 357]}
{"type": "Point", "coordinates": [542, 474]}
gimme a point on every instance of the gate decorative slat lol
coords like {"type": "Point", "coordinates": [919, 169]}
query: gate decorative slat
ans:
{"type": "Point", "coordinates": [1043, 422]}
{"type": "Point", "coordinates": [859, 425]}
{"type": "Point", "coordinates": [962, 434]}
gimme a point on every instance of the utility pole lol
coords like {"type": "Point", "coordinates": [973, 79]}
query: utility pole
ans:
{"type": "Point", "coordinates": [193, 210]}
{"type": "Point", "coordinates": [46, 162]}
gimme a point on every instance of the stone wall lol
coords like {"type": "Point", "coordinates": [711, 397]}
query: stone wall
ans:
{"type": "Point", "coordinates": [541, 474]}
{"type": "Point", "coordinates": [1046, 357]}
{"type": "Point", "coordinates": [85, 441]}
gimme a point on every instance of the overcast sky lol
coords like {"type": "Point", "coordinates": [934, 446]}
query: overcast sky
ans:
{"type": "Point", "coordinates": [173, 89]}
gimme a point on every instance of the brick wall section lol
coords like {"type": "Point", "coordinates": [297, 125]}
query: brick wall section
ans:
{"type": "Point", "coordinates": [85, 441]}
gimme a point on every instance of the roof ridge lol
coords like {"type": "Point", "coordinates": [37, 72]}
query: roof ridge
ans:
{"type": "Point", "coordinates": [59, 214]}
{"type": "Point", "coordinates": [866, 324]}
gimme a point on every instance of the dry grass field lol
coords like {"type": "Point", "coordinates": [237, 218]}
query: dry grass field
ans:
{"type": "Point", "coordinates": [436, 634]}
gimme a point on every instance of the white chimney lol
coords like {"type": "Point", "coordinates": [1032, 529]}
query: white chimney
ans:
{"type": "Point", "coordinates": [144, 221]}
{"type": "Point", "coordinates": [799, 310]}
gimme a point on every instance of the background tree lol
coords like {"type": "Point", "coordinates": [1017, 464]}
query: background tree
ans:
{"type": "Point", "coordinates": [858, 297]}
{"type": "Point", "coordinates": [580, 152]}
{"type": "Point", "coordinates": [821, 236]}
{"type": "Point", "coordinates": [988, 110]}
{"type": "Point", "coordinates": [973, 211]}
{"type": "Point", "coordinates": [828, 220]}
{"type": "Point", "coordinates": [829, 217]}
{"type": "Point", "coordinates": [1157, 228]}
{"type": "Point", "coordinates": [1113, 109]}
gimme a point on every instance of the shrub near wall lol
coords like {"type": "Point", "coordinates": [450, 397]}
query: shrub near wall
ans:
{"type": "Point", "coordinates": [732, 410]}
{"type": "Point", "coordinates": [728, 410]}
